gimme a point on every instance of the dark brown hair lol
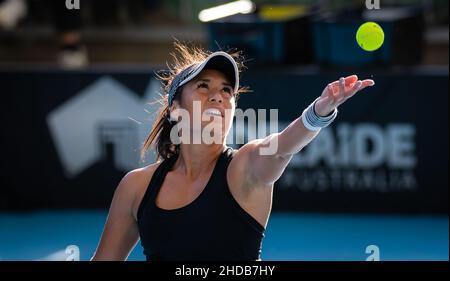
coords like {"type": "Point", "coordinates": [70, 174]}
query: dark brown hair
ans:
{"type": "Point", "coordinates": [184, 56]}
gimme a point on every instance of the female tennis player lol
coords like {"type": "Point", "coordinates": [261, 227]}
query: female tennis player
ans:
{"type": "Point", "coordinates": [207, 201]}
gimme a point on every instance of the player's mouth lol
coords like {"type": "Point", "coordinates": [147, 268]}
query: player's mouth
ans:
{"type": "Point", "coordinates": [213, 112]}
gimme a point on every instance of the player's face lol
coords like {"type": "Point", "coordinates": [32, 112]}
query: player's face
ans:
{"type": "Point", "coordinates": [215, 99]}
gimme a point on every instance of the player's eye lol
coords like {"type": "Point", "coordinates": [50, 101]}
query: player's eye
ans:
{"type": "Point", "coordinates": [202, 85]}
{"type": "Point", "coordinates": [227, 90]}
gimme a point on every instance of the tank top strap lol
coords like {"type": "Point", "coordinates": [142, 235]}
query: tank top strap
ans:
{"type": "Point", "coordinates": [218, 177]}
{"type": "Point", "coordinates": [225, 194]}
{"type": "Point", "coordinates": [155, 183]}
{"type": "Point", "coordinates": [226, 157]}
{"type": "Point", "coordinates": [229, 153]}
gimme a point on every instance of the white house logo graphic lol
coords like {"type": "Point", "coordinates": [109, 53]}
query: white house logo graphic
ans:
{"type": "Point", "coordinates": [108, 115]}
{"type": "Point", "coordinates": [105, 113]}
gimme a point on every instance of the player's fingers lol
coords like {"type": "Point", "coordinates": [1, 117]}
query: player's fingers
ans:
{"type": "Point", "coordinates": [341, 92]}
{"type": "Point", "coordinates": [367, 83]}
{"type": "Point", "coordinates": [349, 83]}
{"type": "Point", "coordinates": [359, 86]}
{"type": "Point", "coordinates": [356, 87]}
{"type": "Point", "coordinates": [328, 91]}
{"type": "Point", "coordinates": [350, 80]}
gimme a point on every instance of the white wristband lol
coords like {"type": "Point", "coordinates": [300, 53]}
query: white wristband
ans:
{"type": "Point", "coordinates": [314, 122]}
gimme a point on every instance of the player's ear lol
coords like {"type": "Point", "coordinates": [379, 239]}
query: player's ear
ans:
{"type": "Point", "coordinates": [173, 112]}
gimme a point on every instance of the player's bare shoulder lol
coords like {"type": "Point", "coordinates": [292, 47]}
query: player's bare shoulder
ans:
{"type": "Point", "coordinates": [135, 183]}
{"type": "Point", "coordinates": [239, 164]}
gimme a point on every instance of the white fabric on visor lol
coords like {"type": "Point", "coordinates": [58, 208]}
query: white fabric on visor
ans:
{"type": "Point", "coordinates": [220, 61]}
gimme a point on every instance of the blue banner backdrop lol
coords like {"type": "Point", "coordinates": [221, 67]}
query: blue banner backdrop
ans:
{"type": "Point", "coordinates": [69, 137]}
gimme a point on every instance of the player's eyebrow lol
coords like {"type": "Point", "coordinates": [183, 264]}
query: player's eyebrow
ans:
{"type": "Point", "coordinates": [209, 80]}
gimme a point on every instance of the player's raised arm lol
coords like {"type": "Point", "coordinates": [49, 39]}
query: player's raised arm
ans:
{"type": "Point", "coordinates": [267, 165]}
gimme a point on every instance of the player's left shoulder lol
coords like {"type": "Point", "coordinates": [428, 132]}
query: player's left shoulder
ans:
{"type": "Point", "coordinates": [245, 151]}
{"type": "Point", "coordinates": [239, 167]}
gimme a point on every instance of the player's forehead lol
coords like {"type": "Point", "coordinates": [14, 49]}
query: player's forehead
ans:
{"type": "Point", "coordinates": [212, 75]}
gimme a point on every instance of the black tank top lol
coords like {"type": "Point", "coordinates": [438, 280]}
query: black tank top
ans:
{"type": "Point", "coordinates": [213, 227]}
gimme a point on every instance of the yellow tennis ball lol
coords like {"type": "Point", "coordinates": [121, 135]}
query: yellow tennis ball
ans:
{"type": "Point", "coordinates": [370, 36]}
